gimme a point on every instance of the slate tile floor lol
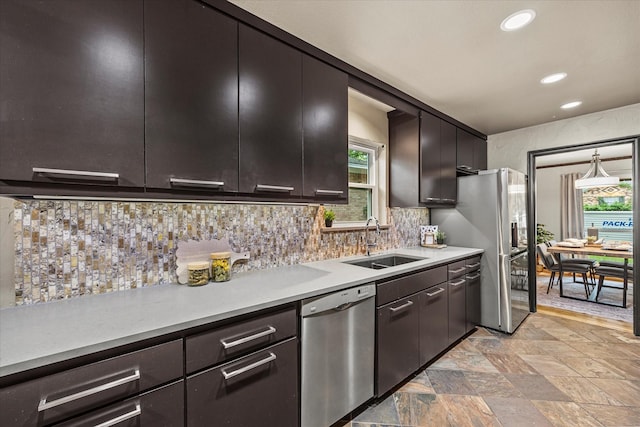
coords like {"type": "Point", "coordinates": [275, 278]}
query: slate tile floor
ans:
{"type": "Point", "coordinates": [553, 371]}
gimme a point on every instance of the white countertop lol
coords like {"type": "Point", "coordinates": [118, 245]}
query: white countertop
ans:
{"type": "Point", "coordinates": [37, 335]}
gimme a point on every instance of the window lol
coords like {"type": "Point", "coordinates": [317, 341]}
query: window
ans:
{"type": "Point", "coordinates": [364, 183]}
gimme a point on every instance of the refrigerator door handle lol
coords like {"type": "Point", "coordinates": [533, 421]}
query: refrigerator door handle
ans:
{"type": "Point", "coordinates": [504, 261]}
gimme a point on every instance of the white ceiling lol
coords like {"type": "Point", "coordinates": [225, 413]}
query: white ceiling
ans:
{"type": "Point", "coordinates": [453, 56]}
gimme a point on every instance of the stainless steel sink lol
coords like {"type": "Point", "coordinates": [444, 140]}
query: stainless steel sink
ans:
{"type": "Point", "coordinates": [385, 261]}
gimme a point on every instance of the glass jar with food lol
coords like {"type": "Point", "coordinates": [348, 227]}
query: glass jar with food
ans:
{"type": "Point", "coordinates": [198, 273]}
{"type": "Point", "coordinates": [220, 266]}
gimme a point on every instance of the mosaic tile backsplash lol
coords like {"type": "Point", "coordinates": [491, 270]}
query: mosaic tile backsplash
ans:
{"type": "Point", "coordinates": [68, 249]}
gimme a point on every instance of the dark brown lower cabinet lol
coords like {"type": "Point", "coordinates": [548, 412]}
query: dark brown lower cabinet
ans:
{"type": "Point", "coordinates": [157, 408]}
{"type": "Point", "coordinates": [457, 309]}
{"type": "Point", "coordinates": [434, 332]}
{"type": "Point", "coordinates": [398, 342]}
{"type": "Point", "coordinates": [260, 389]}
{"type": "Point", "coordinates": [473, 300]}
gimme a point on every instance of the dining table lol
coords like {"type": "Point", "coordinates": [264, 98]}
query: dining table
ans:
{"type": "Point", "coordinates": [597, 250]}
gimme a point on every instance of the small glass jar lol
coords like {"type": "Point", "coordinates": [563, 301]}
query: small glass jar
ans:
{"type": "Point", "coordinates": [198, 273]}
{"type": "Point", "coordinates": [220, 266]}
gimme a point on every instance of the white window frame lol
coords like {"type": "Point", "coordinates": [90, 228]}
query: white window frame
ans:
{"type": "Point", "coordinates": [376, 152]}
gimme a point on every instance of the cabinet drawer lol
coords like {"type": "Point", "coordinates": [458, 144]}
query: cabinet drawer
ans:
{"type": "Point", "coordinates": [161, 407]}
{"type": "Point", "coordinates": [457, 269]}
{"type": "Point", "coordinates": [55, 397]}
{"type": "Point", "coordinates": [216, 346]}
{"type": "Point", "coordinates": [472, 264]}
{"type": "Point", "coordinates": [257, 390]}
{"type": "Point", "coordinates": [400, 288]}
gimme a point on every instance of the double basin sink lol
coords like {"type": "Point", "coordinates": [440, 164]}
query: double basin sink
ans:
{"type": "Point", "coordinates": [384, 261]}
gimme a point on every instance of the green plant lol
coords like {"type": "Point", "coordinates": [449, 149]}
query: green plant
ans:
{"type": "Point", "coordinates": [617, 206]}
{"type": "Point", "coordinates": [329, 215]}
{"type": "Point", "coordinates": [440, 235]}
{"type": "Point", "coordinates": [542, 234]}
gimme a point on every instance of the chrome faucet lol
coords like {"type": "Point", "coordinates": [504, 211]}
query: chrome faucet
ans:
{"type": "Point", "coordinates": [366, 234]}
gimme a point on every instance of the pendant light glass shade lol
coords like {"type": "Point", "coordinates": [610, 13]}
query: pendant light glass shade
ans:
{"type": "Point", "coordinates": [596, 176]}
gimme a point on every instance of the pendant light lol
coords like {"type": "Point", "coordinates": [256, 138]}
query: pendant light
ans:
{"type": "Point", "coordinates": [596, 176]}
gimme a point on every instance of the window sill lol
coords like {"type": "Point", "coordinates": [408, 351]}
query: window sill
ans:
{"type": "Point", "coordinates": [347, 228]}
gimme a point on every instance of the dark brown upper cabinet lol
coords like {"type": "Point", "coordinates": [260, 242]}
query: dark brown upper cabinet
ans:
{"type": "Point", "coordinates": [325, 123]}
{"type": "Point", "coordinates": [72, 102]}
{"type": "Point", "coordinates": [471, 152]}
{"type": "Point", "coordinates": [423, 160]}
{"type": "Point", "coordinates": [404, 155]}
{"type": "Point", "coordinates": [191, 97]}
{"type": "Point", "coordinates": [270, 119]}
{"type": "Point", "coordinates": [438, 184]}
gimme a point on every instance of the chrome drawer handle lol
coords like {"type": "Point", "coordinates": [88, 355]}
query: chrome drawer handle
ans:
{"type": "Point", "coordinates": [459, 270]}
{"type": "Point", "coordinates": [461, 282]}
{"type": "Point", "coordinates": [473, 276]}
{"type": "Point", "coordinates": [474, 265]}
{"type": "Point", "coordinates": [335, 192]}
{"type": "Point", "coordinates": [270, 330]}
{"type": "Point", "coordinates": [44, 405]}
{"type": "Point", "coordinates": [431, 198]}
{"type": "Point", "coordinates": [247, 368]}
{"type": "Point", "coordinates": [405, 305]}
{"type": "Point", "coordinates": [449, 200]}
{"type": "Point", "coordinates": [85, 174]}
{"type": "Point", "coordinates": [196, 182]}
{"type": "Point", "coordinates": [263, 187]}
{"type": "Point", "coordinates": [464, 167]}
{"type": "Point", "coordinates": [120, 418]}
{"type": "Point", "coordinates": [432, 294]}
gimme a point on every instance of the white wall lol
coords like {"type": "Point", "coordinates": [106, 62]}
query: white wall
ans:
{"type": "Point", "coordinates": [368, 122]}
{"type": "Point", "coordinates": [548, 189]}
{"type": "Point", "coordinates": [509, 149]}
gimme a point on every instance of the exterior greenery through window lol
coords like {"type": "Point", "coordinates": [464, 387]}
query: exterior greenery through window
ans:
{"type": "Point", "coordinates": [362, 186]}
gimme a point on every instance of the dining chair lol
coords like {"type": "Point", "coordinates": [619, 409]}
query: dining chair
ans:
{"type": "Point", "coordinates": [614, 269]}
{"type": "Point", "coordinates": [584, 261]}
{"type": "Point", "coordinates": [553, 266]}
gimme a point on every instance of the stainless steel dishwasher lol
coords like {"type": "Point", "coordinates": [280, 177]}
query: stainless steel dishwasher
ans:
{"type": "Point", "coordinates": [338, 338]}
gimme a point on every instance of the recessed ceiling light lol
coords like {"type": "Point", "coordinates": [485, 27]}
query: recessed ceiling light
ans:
{"type": "Point", "coordinates": [552, 78]}
{"type": "Point", "coordinates": [571, 105]}
{"type": "Point", "coordinates": [518, 20]}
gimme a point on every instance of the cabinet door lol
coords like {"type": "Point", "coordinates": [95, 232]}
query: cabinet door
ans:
{"type": "Point", "coordinates": [430, 152]}
{"type": "Point", "coordinates": [398, 342]}
{"type": "Point", "coordinates": [157, 408]}
{"type": "Point", "coordinates": [434, 323]}
{"type": "Point", "coordinates": [191, 96]}
{"type": "Point", "coordinates": [270, 115]}
{"type": "Point", "coordinates": [457, 309]}
{"type": "Point", "coordinates": [480, 155]}
{"type": "Point", "coordinates": [257, 390]}
{"type": "Point", "coordinates": [448, 179]}
{"type": "Point", "coordinates": [71, 74]}
{"type": "Point", "coordinates": [404, 157]}
{"type": "Point", "coordinates": [465, 150]}
{"type": "Point", "coordinates": [325, 115]}
{"type": "Point", "coordinates": [473, 300]}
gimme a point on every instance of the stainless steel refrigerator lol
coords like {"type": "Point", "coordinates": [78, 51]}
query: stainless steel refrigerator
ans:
{"type": "Point", "coordinates": [491, 214]}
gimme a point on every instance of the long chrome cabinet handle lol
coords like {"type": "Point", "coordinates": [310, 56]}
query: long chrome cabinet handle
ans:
{"type": "Point", "coordinates": [474, 265]}
{"type": "Point", "coordinates": [247, 368]}
{"type": "Point", "coordinates": [473, 276]}
{"type": "Point", "coordinates": [44, 405]}
{"type": "Point", "coordinates": [458, 283]}
{"type": "Point", "coordinates": [196, 182]}
{"type": "Point", "coordinates": [405, 305]}
{"type": "Point", "coordinates": [329, 192]}
{"type": "Point", "coordinates": [264, 187]}
{"type": "Point", "coordinates": [449, 200]}
{"type": "Point", "coordinates": [120, 418]}
{"type": "Point", "coordinates": [270, 330]}
{"type": "Point", "coordinates": [85, 174]}
{"type": "Point", "coordinates": [432, 294]}
{"type": "Point", "coordinates": [430, 199]}
{"type": "Point", "coordinates": [458, 270]}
